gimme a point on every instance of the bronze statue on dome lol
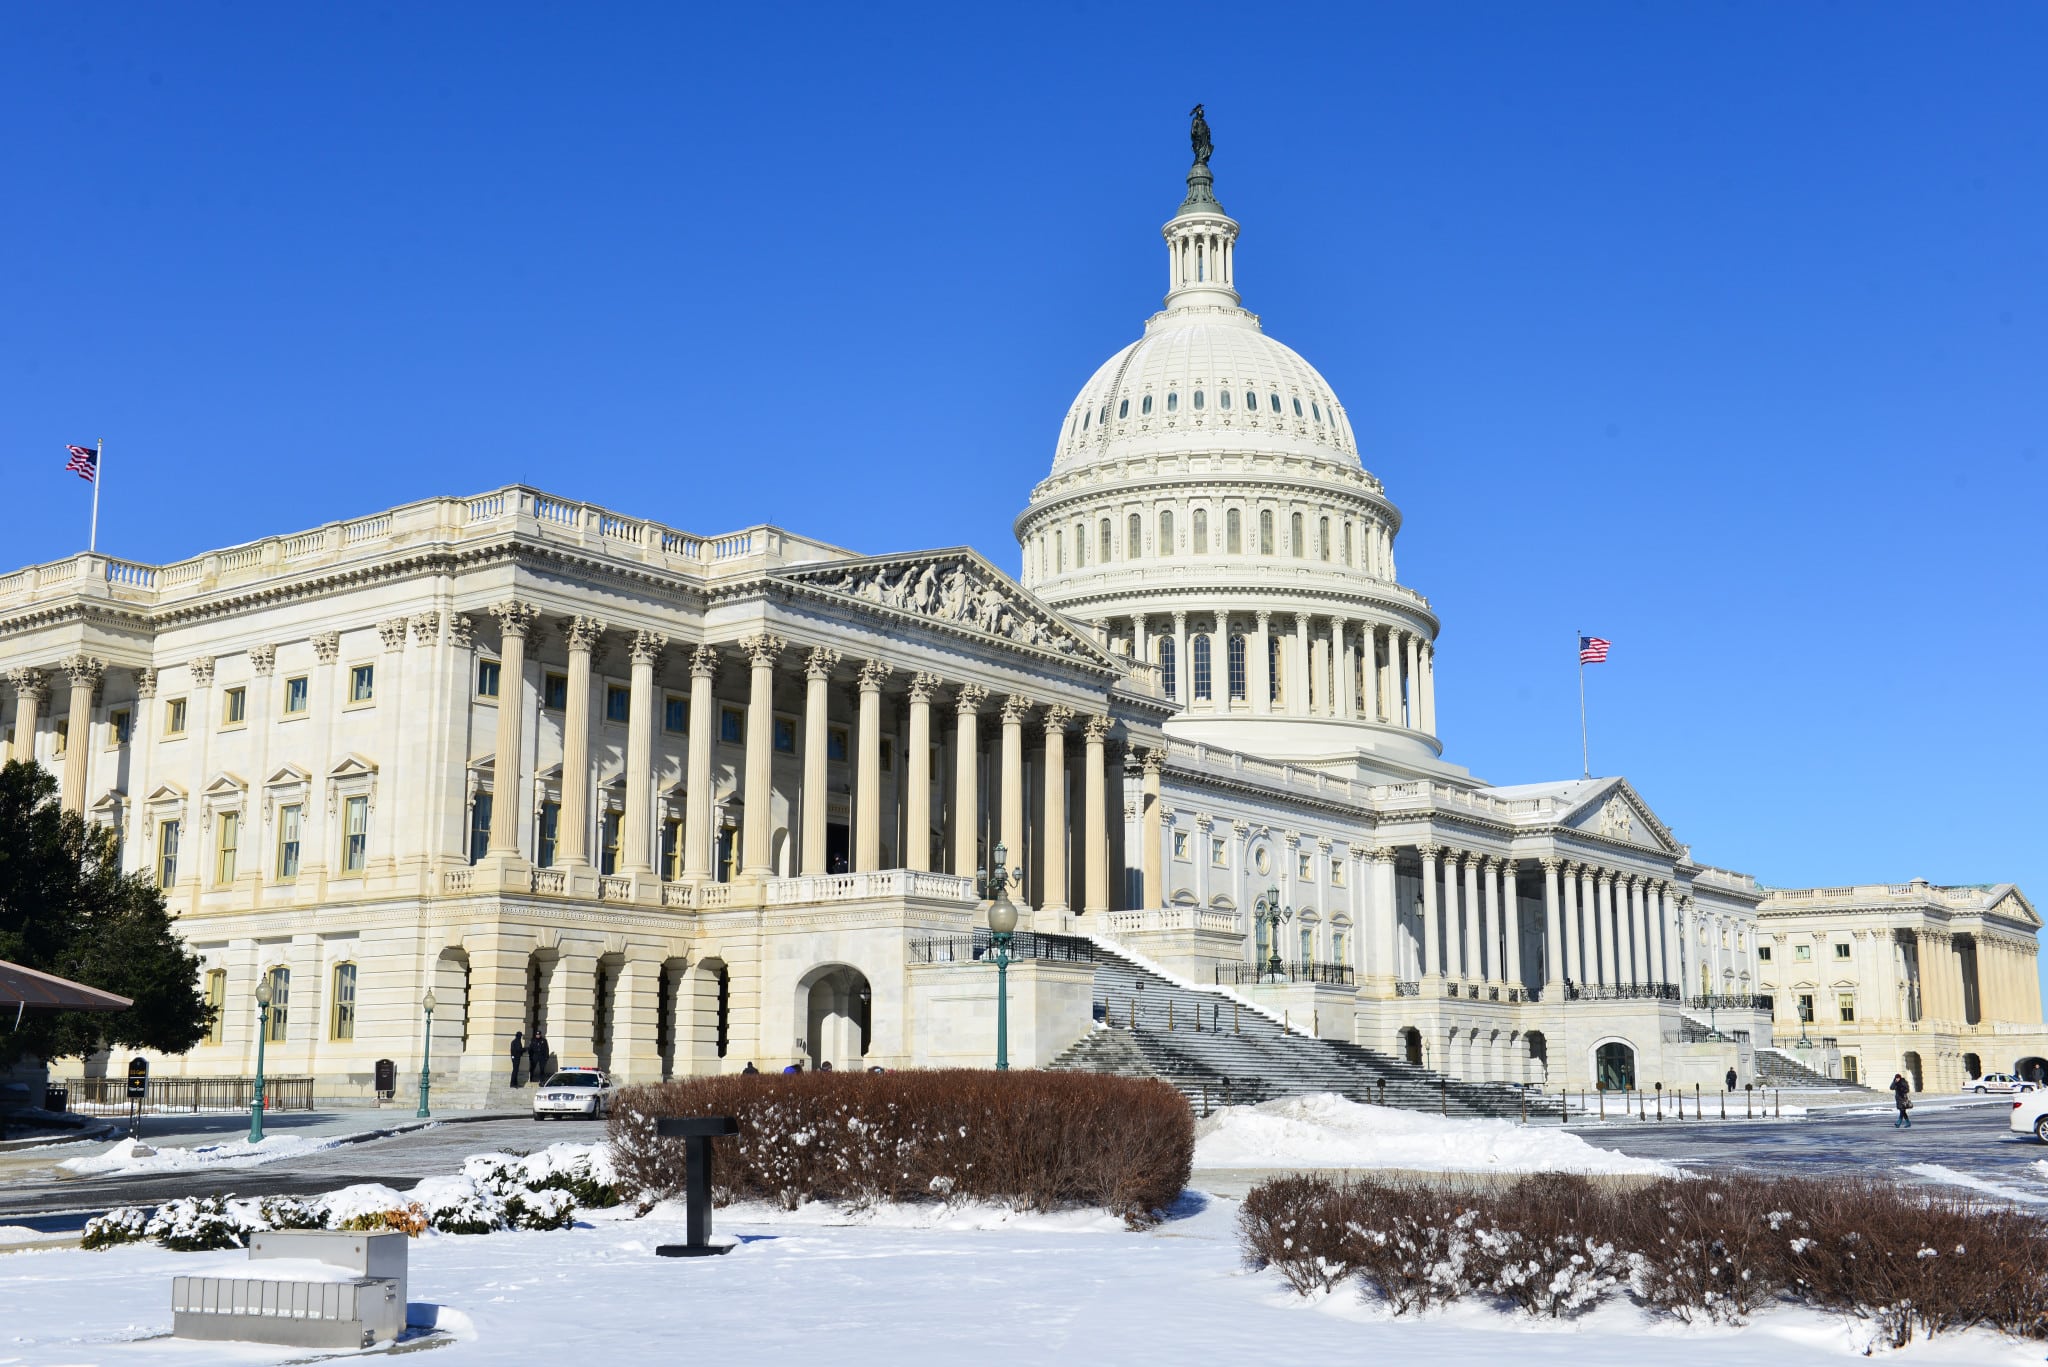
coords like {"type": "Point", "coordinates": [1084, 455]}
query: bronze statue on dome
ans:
{"type": "Point", "coordinates": [1198, 134]}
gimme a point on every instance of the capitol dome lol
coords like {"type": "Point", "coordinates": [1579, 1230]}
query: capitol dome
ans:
{"type": "Point", "coordinates": [1208, 515]}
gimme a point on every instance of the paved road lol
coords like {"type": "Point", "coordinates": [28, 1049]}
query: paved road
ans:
{"type": "Point", "coordinates": [397, 1160]}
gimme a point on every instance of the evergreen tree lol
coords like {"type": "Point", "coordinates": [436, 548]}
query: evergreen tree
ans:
{"type": "Point", "coordinates": [66, 908]}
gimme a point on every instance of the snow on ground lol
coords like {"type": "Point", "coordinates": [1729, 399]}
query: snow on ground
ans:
{"type": "Point", "coordinates": [1035, 1290]}
{"type": "Point", "coordinates": [128, 1155]}
{"type": "Point", "coordinates": [1936, 1172]}
{"type": "Point", "coordinates": [1327, 1131]}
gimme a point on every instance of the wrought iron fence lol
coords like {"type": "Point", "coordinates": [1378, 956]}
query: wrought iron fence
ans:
{"type": "Point", "coordinates": [1620, 992]}
{"type": "Point", "coordinates": [1233, 975]}
{"type": "Point", "coordinates": [187, 1095]}
{"type": "Point", "coordinates": [1723, 1001]}
{"type": "Point", "coordinates": [1025, 944]}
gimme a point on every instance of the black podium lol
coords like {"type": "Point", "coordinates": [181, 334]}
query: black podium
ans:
{"type": "Point", "coordinates": [696, 1132]}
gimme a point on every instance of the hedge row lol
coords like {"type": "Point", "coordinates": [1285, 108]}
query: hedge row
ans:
{"type": "Point", "coordinates": [1034, 1140]}
{"type": "Point", "coordinates": [1903, 1259]}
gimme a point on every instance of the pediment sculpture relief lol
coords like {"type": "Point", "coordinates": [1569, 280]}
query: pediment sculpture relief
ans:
{"type": "Point", "coordinates": [950, 592]}
{"type": "Point", "coordinates": [1617, 818]}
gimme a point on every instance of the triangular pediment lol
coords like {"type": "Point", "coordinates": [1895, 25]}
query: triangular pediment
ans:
{"type": "Point", "coordinates": [287, 776]}
{"type": "Point", "coordinates": [1616, 812]}
{"type": "Point", "coordinates": [225, 784]}
{"type": "Point", "coordinates": [955, 589]}
{"type": "Point", "coordinates": [167, 792]}
{"type": "Point", "coordinates": [110, 801]}
{"type": "Point", "coordinates": [2013, 906]}
{"type": "Point", "coordinates": [352, 766]}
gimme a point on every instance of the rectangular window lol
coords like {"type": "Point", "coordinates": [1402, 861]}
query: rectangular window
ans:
{"type": "Point", "coordinates": [1219, 852]}
{"type": "Point", "coordinates": [174, 717]}
{"type": "Point", "coordinates": [362, 683]}
{"type": "Point", "coordinates": [550, 832]}
{"type": "Point", "coordinates": [731, 728]}
{"type": "Point", "coordinates": [61, 737]}
{"type": "Point", "coordinates": [166, 853]}
{"type": "Point", "coordinates": [344, 1026]}
{"type": "Point", "coordinates": [608, 852]}
{"type": "Point", "coordinates": [216, 1003]}
{"type": "Point", "coordinates": [1237, 674]}
{"type": "Point", "coordinates": [1841, 951]}
{"type": "Point", "coordinates": [618, 703]}
{"type": "Point", "coordinates": [888, 756]}
{"type": "Point", "coordinates": [1845, 1007]}
{"type": "Point", "coordinates": [479, 827]}
{"type": "Point", "coordinates": [224, 849]}
{"type": "Point", "coordinates": [297, 692]}
{"type": "Point", "coordinates": [1180, 844]}
{"type": "Point", "coordinates": [1337, 946]}
{"type": "Point", "coordinates": [674, 711]}
{"type": "Point", "coordinates": [234, 707]}
{"type": "Point", "coordinates": [487, 678]}
{"type": "Point", "coordinates": [355, 848]}
{"type": "Point", "coordinates": [554, 692]}
{"type": "Point", "coordinates": [280, 1003]}
{"type": "Point", "coordinates": [1308, 946]}
{"type": "Point", "coordinates": [835, 743]}
{"type": "Point", "coordinates": [288, 842]}
{"type": "Point", "coordinates": [1802, 953]}
{"type": "Point", "coordinates": [1806, 1007]}
{"type": "Point", "coordinates": [672, 848]}
{"type": "Point", "coordinates": [785, 736]}
{"type": "Point", "coordinates": [120, 727]}
{"type": "Point", "coordinates": [1305, 868]}
{"type": "Point", "coordinates": [1336, 873]}
{"type": "Point", "coordinates": [1763, 954]}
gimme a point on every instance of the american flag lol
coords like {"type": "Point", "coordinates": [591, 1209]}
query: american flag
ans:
{"type": "Point", "coordinates": [1593, 650]}
{"type": "Point", "coordinates": [85, 461]}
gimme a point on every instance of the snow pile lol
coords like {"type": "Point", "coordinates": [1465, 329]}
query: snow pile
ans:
{"type": "Point", "coordinates": [1326, 1131]}
{"type": "Point", "coordinates": [129, 1155]}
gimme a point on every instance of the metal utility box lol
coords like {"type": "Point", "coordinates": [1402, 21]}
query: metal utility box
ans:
{"type": "Point", "coordinates": [362, 1307]}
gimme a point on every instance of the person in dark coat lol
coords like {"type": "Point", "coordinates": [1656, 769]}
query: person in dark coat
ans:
{"type": "Point", "coordinates": [537, 1058]}
{"type": "Point", "coordinates": [1902, 1097]}
{"type": "Point", "coordinates": [750, 1070]}
{"type": "Point", "coordinates": [518, 1052]}
{"type": "Point", "coordinates": [1731, 1079]}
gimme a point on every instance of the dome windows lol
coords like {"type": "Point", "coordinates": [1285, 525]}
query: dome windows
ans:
{"type": "Point", "coordinates": [1323, 538]}
{"type": "Point", "coordinates": [1172, 400]}
{"type": "Point", "coordinates": [1317, 409]}
{"type": "Point", "coordinates": [1166, 531]}
{"type": "Point", "coordinates": [1297, 408]}
{"type": "Point", "coordinates": [1276, 403]}
{"type": "Point", "coordinates": [1123, 408]}
{"type": "Point", "coordinates": [1295, 539]}
{"type": "Point", "coordinates": [1134, 539]}
{"type": "Point", "coordinates": [1201, 531]}
{"type": "Point", "coordinates": [1251, 402]}
{"type": "Point", "coordinates": [1107, 549]}
{"type": "Point", "coordinates": [1145, 406]}
{"type": "Point", "coordinates": [1265, 531]}
{"type": "Point", "coordinates": [1085, 417]}
{"type": "Point", "coordinates": [1223, 399]}
{"type": "Point", "coordinates": [1105, 412]}
{"type": "Point", "coordinates": [1198, 400]}
{"type": "Point", "coordinates": [1233, 533]}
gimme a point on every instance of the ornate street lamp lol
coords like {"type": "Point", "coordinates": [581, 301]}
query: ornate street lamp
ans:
{"type": "Point", "coordinates": [1267, 909]}
{"type": "Point", "coordinates": [262, 1033]}
{"type": "Point", "coordinates": [426, 1051]}
{"type": "Point", "coordinates": [1002, 923]}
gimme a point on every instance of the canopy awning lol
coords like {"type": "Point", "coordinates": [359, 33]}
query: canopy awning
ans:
{"type": "Point", "coordinates": [28, 989]}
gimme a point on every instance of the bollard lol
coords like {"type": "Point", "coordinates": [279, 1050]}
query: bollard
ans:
{"type": "Point", "coordinates": [1169, 1015]}
{"type": "Point", "coordinates": [1383, 1091]}
{"type": "Point", "coordinates": [1603, 1103]}
{"type": "Point", "coordinates": [696, 1132]}
{"type": "Point", "coordinates": [1525, 1105]}
{"type": "Point", "coordinates": [1236, 1024]}
{"type": "Point", "coordinates": [1746, 1095]}
{"type": "Point", "coordinates": [1776, 1114]}
{"type": "Point", "coordinates": [1205, 1100]}
{"type": "Point", "coordinates": [1697, 1113]}
{"type": "Point", "coordinates": [1660, 1101]}
{"type": "Point", "coordinates": [1724, 1105]}
{"type": "Point", "coordinates": [1443, 1096]}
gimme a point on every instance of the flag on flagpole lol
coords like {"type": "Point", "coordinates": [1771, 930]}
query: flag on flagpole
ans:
{"type": "Point", "coordinates": [1593, 650]}
{"type": "Point", "coordinates": [85, 461]}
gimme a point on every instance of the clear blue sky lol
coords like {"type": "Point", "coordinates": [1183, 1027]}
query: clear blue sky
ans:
{"type": "Point", "coordinates": [1720, 330]}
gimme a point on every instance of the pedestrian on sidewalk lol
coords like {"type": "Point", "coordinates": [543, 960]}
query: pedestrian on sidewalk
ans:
{"type": "Point", "coordinates": [518, 1052]}
{"type": "Point", "coordinates": [1731, 1079]}
{"type": "Point", "coordinates": [1902, 1094]}
{"type": "Point", "coordinates": [537, 1057]}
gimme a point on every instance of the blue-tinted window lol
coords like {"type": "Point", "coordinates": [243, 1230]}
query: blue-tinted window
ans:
{"type": "Point", "coordinates": [617, 704]}
{"type": "Point", "coordinates": [1169, 675]}
{"type": "Point", "coordinates": [785, 735]}
{"type": "Point", "coordinates": [673, 714]}
{"type": "Point", "coordinates": [1223, 399]}
{"type": "Point", "coordinates": [1276, 403]}
{"type": "Point", "coordinates": [730, 727]}
{"type": "Point", "coordinates": [1201, 654]}
{"type": "Point", "coordinates": [1123, 408]}
{"type": "Point", "coordinates": [1172, 401]}
{"type": "Point", "coordinates": [1198, 400]}
{"type": "Point", "coordinates": [1145, 405]}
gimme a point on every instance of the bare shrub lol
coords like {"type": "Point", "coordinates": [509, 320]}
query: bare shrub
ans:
{"type": "Point", "coordinates": [1037, 1140]}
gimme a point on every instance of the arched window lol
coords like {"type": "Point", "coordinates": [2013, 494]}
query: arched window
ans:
{"type": "Point", "coordinates": [1233, 533]}
{"type": "Point", "coordinates": [1265, 531]}
{"type": "Point", "coordinates": [1297, 408]}
{"type": "Point", "coordinates": [1308, 946]}
{"type": "Point", "coordinates": [1201, 653]}
{"type": "Point", "coordinates": [1123, 408]}
{"type": "Point", "coordinates": [1166, 531]}
{"type": "Point", "coordinates": [1105, 410]}
{"type": "Point", "coordinates": [1347, 541]}
{"type": "Point", "coordinates": [1059, 550]}
{"type": "Point", "coordinates": [1080, 545]}
{"type": "Point", "coordinates": [1145, 406]}
{"type": "Point", "coordinates": [280, 1003]}
{"type": "Point", "coordinates": [1134, 538]}
{"type": "Point", "coordinates": [1273, 669]}
{"type": "Point", "coordinates": [1323, 538]}
{"type": "Point", "coordinates": [1108, 552]}
{"type": "Point", "coordinates": [1085, 418]}
{"type": "Point", "coordinates": [1251, 402]}
{"type": "Point", "coordinates": [1337, 946]}
{"type": "Point", "coordinates": [1295, 538]}
{"type": "Point", "coordinates": [1201, 531]}
{"type": "Point", "coordinates": [1276, 403]}
{"type": "Point", "coordinates": [1198, 400]}
{"type": "Point", "coordinates": [1044, 556]}
{"type": "Point", "coordinates": [1237, 684]}
{"type": "Point", "coordinates": [1172, 400]}
{"type": "Point", "coordinates": [1317, 409]}
{"type": "Point", "coordinates": [1169, 671]}
{"type": "Point", "coordinates": [1223, 399]}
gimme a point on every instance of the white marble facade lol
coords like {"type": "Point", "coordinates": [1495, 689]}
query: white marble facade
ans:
{"type": "Point", "coordinates": [685, 802]}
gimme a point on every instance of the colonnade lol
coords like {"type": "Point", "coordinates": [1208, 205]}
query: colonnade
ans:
{"type": "Point", "coordinates": [32, 687]}
{"type": "Point", "coordinates": [1611, 929]}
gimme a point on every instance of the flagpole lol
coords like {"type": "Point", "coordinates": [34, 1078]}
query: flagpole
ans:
{"type": "Point", "coordinates": [1585, 754]}
{"type": "Point", "coordinates": [99, 470]}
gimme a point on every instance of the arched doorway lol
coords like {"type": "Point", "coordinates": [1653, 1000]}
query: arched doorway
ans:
{"type": "Point", "coordinates": [1973, 1067]}
{"type": "Point", "coordinates": [834, 1001]}
{"type": "Point", "coordinates": [1614, 1067]}
{"type": "Point", "coordinates": [1912, 1062]}
{"type": "Point", "coordinates": [451, 1007]}
{"type": "Point", "coordinates": [1539, 1057]}
{"type": "Point", "coordinates": [1411, 1045]}
{"type": "Point", "coordinates": [2034, 1069]}
{"type": "Point", "coordinates": [709, 1011]}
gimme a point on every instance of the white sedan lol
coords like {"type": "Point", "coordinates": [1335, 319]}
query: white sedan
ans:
{"type": "Point", "coordinates": [574, 1091]}
{"type": "Point", "coordinates": [1997, 1082]}
{"type": "Point", "coordinates": [2030, 1114]}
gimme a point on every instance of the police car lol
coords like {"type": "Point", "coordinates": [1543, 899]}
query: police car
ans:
{"type": "Point", "coordinates": [1997, 1082]}
{"type": "Point", "coordinates": [574, 1091]}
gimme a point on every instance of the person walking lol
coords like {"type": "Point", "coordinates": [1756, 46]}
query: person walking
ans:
{"type": "Point", "coordinates": [1902, 1095]}
{"type": "Point", "coordinates": [518, 1052]}
{"type": "Point", "coordinates": [537, 1057]}
{"type": "Point", "coordinates": [1731, 1079]}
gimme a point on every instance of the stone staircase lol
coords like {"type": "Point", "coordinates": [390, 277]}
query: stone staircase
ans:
{"type": "Point", "coordinates": [1776, 1068]}
{"type": "Point", "coordinates": [1217, 1048]}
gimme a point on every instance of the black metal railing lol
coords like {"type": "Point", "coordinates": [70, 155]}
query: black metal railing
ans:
{"type": "Point", "coordinates": [1025, 944]}
{"type": "Point", "coordinates": [1236, 975]}
{"type": "Point", "coordinates": [1621, 992]}
{"type": "Point", "coordinates": [188, 1095]}
{"type": "Point", "coordinates": [1728, 1001]}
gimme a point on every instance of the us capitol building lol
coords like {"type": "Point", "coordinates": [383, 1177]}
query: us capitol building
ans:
{"type": "Point", "coordinates": [685, 801]}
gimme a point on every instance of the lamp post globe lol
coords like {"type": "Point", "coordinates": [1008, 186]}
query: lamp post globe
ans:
{"type": "Point", "coordinates": [426, 1050]}
{"type": "Point", "coordinates": [263, 993]}
{"type": "Point", "coordinates": [995, 884]}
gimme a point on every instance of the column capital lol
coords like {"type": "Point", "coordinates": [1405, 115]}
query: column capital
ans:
{"type": "Point", "coordinates": [1382, 854]}
{"type": "Point", "coordinates": [1429, 852]}
{"type": "Point", "coordinates": [1151, 760]}
{"type": "Point", "coordinates": [582, 633]}
{"type": "Point", "coordinates": [145, 683]}
{"type": "Point", "coordinates": [514, 617]}
{"type": "Point", "coordinates": [1551, 863]}
{"type": "Point", "coordinates": [1056, 718]}
{"type": "Point", "coordinates": [461, 630]}
{"type": "Point", "coordinates": [820, 661]}
{"type": "Point", "coordinates": [923, 684]}
{"type": "Point", "coordinates": [202, 670]}
{"type": "Point", "coordinates": [426, 627]}
{"type": "Point", "coordinates": [263, 660]}
{"type": "Point", "coordinates": [648, 645]}
{"type": "Point", "coordinates": [1016, 709]}
{"type": "Point", "coordinates": [968, 698]}
{"type": "Point", "coordinates": [392, 629]}
{"type": "Point", "coordinates": [762, 648]}
{"type": "Point", "coordinates": [873, 674]}
{"type": "Point", "coordinates": [326, 646]}
{"type": "Point", "coordinates": [1180, 621]}
{"type": "Point", "coordinates": [1095, 729]}
{"type": "Point", "coordinates": [1264, 615]}
{"type": "Point", "coordinates": [703, 662]}
{"type": "Point", "coordinates": [88, 670]}
{"type": "Point", "coordinates": [30, 683]}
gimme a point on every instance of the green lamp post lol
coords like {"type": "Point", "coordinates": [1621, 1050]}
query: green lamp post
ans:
{"type": "Point", "coordinates": [1269, 910]}
{"type": "Point", "coordinates": [1002, 925]}
{"type": "Point", "coordinates": [262, 1035]}
{"type": "Point", "coordinates": [426, 1051]}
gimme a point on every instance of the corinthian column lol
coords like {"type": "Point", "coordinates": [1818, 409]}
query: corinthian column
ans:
{"type": "Point", "coordinates": [1053, 839]}
{"type": "Point", "coordinates": [967, 779]}
{"type": "Point", "coordinates": [758, 805]}
{"type": "Point", "coordinates": [85, 673]}
{"type": "Point", "coordinates": [31, 691]}
{"type": "Point", "coordinates": [818, 667]}
{"type": "Point", "coordinates": [515, 619]}
{"type": "Point", "coordinates": [637, 839]}
{"type": "Point", "coordinates": [697, 795]}
{"type": "Point", "coordinates": [1432, 959]}
{"type": "Point", "coordinates": [1262, 666]}
{"type": "Point", "coordinates": [1095, 820]}
{"type": "Point", "coordinates": [1151, 832]}
{"type": "Point", "coordinates": [572, 827]}
{"type": "Point", "coordinates": [1553, 927]}
{"type": "Point", "coordinates": [867, 791]}
{"type": "Point", "coordinates": [917, 766]}
{"type": "Point", "coordinates": [1015, 710]}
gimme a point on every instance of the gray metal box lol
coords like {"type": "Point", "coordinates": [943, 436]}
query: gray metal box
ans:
{"type": "Point", "coordinates": [348, 1312]}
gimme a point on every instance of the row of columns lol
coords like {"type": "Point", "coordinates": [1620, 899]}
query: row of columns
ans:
{"type": "Point", "coordinates": [1481, 916]}
{"type": "Point", "coordinates": [1611, 929]}
{"type": "Point", "coordinates": [82, 674]}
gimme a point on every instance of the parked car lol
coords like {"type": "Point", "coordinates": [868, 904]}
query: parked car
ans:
{"type": "Point", "coordinates": [1997, 1082]}
{"type": "Point", "coordinates": [2030, 1114]}
{"type": "Point", "coordinates": [574, 1091]}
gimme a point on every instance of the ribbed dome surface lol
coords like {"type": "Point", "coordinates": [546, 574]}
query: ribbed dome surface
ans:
{"type": "Point", "coordinates": [1203, 379]}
